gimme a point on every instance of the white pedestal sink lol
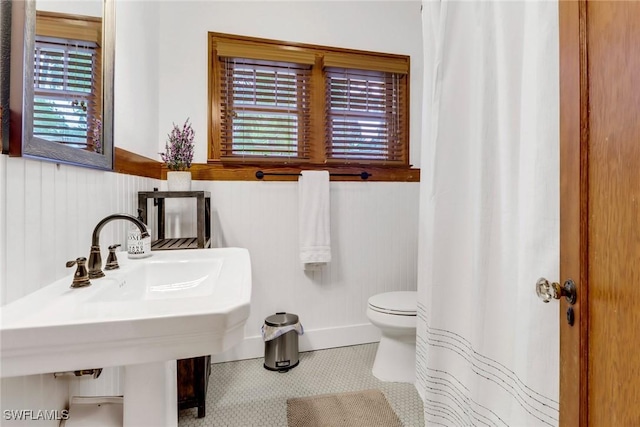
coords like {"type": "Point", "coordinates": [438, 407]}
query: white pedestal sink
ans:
{"type": "Point", "coordinates": [144, 316]}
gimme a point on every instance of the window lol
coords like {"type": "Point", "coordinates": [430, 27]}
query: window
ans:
{"type": "Point", "coordinates": [290, 104]}
{"type": "Point", "coordinates": [265, 109]}
{"type": "Point", "coordinates": [364, 119]}
{"type": "Point", "coordinates": [63, 91]}
{"type": "Point", "coordinates": [67, 80]}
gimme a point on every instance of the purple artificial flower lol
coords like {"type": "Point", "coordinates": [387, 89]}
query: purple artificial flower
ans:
{"type": "Point", "coordinates": [96, 135]}
{"type": "Point", "coordinates": [178, 153]}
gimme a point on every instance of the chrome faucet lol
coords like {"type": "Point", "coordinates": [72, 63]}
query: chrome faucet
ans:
{"type": "Point", "coordinates": [95, 260]}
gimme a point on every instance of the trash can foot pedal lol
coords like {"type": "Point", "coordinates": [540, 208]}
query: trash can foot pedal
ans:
{"type": "Point", "coordinates": [282, 369]}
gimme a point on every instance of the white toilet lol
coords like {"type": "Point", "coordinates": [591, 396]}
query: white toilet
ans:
{"type": "Point", "coordinates": [395, 314]}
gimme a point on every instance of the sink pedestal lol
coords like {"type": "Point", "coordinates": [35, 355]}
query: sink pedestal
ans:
{"type": "Point", "coordinates": [150, 395]}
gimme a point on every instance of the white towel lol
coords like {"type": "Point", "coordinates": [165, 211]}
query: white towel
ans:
{"type": "Point", "coordinates": [314, 222]}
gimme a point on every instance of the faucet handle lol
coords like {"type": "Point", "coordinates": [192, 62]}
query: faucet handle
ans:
{"type": "Point", "coordinates": [112, 259]}
{"type": "Point", "coordinates": [81, 276]}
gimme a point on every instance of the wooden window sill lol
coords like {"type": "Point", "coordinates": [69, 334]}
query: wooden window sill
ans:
{"type": "Point", "coordinates": [134, 164]}
{"type": "Point", "coordinates": [219, 172]}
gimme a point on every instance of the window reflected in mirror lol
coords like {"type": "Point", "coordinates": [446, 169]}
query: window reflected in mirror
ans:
{"type": "Point", "coordinates": [68, 80]}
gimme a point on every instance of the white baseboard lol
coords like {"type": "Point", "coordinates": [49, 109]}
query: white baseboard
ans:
{"type": "Point", "coordinates": [315, 339]}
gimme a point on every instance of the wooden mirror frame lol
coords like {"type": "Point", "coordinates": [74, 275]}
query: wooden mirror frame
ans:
{"type": "Point", "coordinates": [5, 59]}
{"type": "Point", "coordinates": [21, 139]}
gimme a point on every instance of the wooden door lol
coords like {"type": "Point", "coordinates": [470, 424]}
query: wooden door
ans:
{"type": "Point", "coordinates": [600, 212]}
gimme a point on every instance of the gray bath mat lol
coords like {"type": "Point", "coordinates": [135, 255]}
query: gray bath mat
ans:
{"type": "Point", "coordinates": [368, 408]}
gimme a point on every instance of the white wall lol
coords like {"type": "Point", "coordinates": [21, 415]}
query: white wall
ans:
{"type": "Point", "coordinates": [136, 103]}
{"type": "Point", "coordinates": [373, 244]}
{"type": "Point", "coordinates": [50, 214]}
{"type": "Point", "coordinates": [84, 7]}
{"type": "Point", "coordinates": [379, 26]}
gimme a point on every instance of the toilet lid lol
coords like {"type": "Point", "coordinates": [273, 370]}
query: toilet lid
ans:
{"type": "Point", "coordinates": [400, 303]}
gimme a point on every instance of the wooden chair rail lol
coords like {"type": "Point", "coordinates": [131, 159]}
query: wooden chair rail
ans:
{"type": "Point", "coordinates": [133, 164]}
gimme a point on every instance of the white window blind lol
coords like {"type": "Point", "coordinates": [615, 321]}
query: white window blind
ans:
{"type": "Point", "coordinates": [265, 109]}
{"type": "Point", "coordinates": [64, 83]}
{"type": "Point", "coordinates": [365, 116]}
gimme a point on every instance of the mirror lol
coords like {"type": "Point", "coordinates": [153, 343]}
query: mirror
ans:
{"type": "Point", "coordinates": [67, 83]}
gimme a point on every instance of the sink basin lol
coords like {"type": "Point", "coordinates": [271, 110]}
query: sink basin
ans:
{"type": "Point", "coordinates": [163, 279]}
{"type": "Point", "coordinates": [172, 305]}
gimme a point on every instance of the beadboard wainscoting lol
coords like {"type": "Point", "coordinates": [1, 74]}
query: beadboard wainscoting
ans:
{"type": "Point", "coordinates": [373, 243]}
{"type": "Point", "coordinates": [51, 211]}
{"type": "Point", "coordinates": [47, 215]}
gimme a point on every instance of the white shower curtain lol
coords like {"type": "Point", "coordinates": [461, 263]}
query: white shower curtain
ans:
{"type": "Point", "coordinates": [489, 222]}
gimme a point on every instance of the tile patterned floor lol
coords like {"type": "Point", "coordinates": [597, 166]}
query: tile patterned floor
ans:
{"type": "Point", "coordinates": [244, 394]}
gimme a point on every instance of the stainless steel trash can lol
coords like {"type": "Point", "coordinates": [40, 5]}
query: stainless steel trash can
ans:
{"type": "Point", "coordinates": [281, 353]}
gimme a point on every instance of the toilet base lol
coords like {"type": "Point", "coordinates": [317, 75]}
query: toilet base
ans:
{"type": "Point", "coordinates": [396, 359]}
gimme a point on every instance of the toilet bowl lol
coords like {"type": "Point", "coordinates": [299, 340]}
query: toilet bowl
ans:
{"type": "Point", "coordinates": [395, 314]}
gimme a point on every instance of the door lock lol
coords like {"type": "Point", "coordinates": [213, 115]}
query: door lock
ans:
{"type": "Point", "coordinates": [571, 316]}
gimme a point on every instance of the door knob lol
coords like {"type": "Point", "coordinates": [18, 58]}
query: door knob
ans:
{"type": "Point", "coordinates": [547, 291]}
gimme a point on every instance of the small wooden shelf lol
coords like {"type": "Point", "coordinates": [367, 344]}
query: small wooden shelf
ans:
{"type": "Point", "coordinates": [203, 217]}
{"type": "Point", "coordinates": [177, 243]}
{"type": "Point", "coordinates": [193, 380]}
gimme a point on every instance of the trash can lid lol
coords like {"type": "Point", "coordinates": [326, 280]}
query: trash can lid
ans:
{"type": "Point", "coordinates": [281, 319]}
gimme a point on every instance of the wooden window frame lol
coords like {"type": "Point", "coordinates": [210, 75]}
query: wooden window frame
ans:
{"type": "Point", "coordinates": [320, 56]}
